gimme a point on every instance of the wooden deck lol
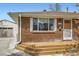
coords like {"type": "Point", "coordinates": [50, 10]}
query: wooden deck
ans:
{"type": "Point", "coordinates": [49, 48]}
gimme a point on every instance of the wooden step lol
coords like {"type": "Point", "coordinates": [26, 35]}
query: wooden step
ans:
{"type": "Point", "coordinates": [49, 44]}
{"type": "Point", "coordinates": [20, 48]}
{"type": "Point", "coordinates": [46, 48]}
{"type": "Point", "coordinates": [49, 52]}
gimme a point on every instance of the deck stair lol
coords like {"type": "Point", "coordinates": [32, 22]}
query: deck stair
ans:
{"type": "Point", "coordinates": [48, 48]}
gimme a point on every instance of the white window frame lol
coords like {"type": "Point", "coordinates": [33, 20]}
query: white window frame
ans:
{"type": "Point", "coordinates": [31, 26]}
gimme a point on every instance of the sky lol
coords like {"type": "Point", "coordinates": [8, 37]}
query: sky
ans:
{"type": "Point", "coordinates": [30, 7]}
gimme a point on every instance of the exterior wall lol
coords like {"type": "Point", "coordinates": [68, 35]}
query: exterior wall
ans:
{"type": "Point", "coordinates": [27, 36]}
{"type": "Point", "coordinates": [75, 24]}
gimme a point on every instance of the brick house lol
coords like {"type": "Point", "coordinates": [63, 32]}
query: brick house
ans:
{"type": "Point", "coordinates": [46, 26]}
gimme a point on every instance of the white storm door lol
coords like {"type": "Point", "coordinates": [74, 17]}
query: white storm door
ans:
{"type": "Point", "coordinates": [67, 29]}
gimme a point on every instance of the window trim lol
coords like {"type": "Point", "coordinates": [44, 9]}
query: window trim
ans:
{"type": "Point", "coordinates": [31, 26]}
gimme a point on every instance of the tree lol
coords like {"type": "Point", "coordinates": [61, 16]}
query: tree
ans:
{"type": "Point", "coordinates": [77, 5]}
{"type": "Point", "coordinates": [55, 7]}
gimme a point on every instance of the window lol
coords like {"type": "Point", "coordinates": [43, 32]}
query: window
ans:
{"type": "Point", "coordinates": [67, 34]}
{"type": "Point", "coordinates": [51, 24]}
{"type": "Point", "coordinates": [43, 24]}
{"type": "Point", "coordinates": [6, 32]}
{"type": "Point", "coordinates": [35, 23]}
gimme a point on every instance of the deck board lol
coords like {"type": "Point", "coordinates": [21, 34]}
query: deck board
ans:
{"type": "Point", "coordinates": [44, 48]}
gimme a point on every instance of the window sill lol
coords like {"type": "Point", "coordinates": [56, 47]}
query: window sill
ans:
{"type": "Point", "coordinates": [42, 31]}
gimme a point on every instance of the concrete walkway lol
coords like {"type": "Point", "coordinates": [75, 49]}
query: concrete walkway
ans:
{"type": "Point", "coordinates": [21, 53]}
{"type": "Point", "coordinates": [18, 53]}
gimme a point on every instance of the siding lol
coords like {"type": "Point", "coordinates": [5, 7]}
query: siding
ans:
{"type": "Point", "coordinates": [75, 26]}
{"type": "Point", "coordinates": [28, 36]}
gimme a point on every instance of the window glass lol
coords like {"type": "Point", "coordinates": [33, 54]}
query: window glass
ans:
{"type": "Point", "coordinates": [35, 23]}
{"type": "Point", "coordinates": [67, 34]}
{"type": "Point", "coordinates": [51, 24]}
{"type": "Point", "coordinates": [43, 24]}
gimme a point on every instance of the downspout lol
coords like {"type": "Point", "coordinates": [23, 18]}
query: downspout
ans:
{"type": "Point", "coordinates": [19, 28]}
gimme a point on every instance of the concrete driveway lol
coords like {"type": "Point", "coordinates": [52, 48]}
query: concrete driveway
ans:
{"type": "Point", "coordinates": [18, 53]}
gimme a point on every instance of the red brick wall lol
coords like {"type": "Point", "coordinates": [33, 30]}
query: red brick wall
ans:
{"type": "Point", "coordinates": [28, 36]}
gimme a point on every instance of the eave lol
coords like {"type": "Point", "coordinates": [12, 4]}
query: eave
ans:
{"type": "Point", "coordinates": [65, 15]}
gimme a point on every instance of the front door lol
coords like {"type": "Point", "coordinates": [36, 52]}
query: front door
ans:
{"type": "Point", "coordinates": [67, 29]}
